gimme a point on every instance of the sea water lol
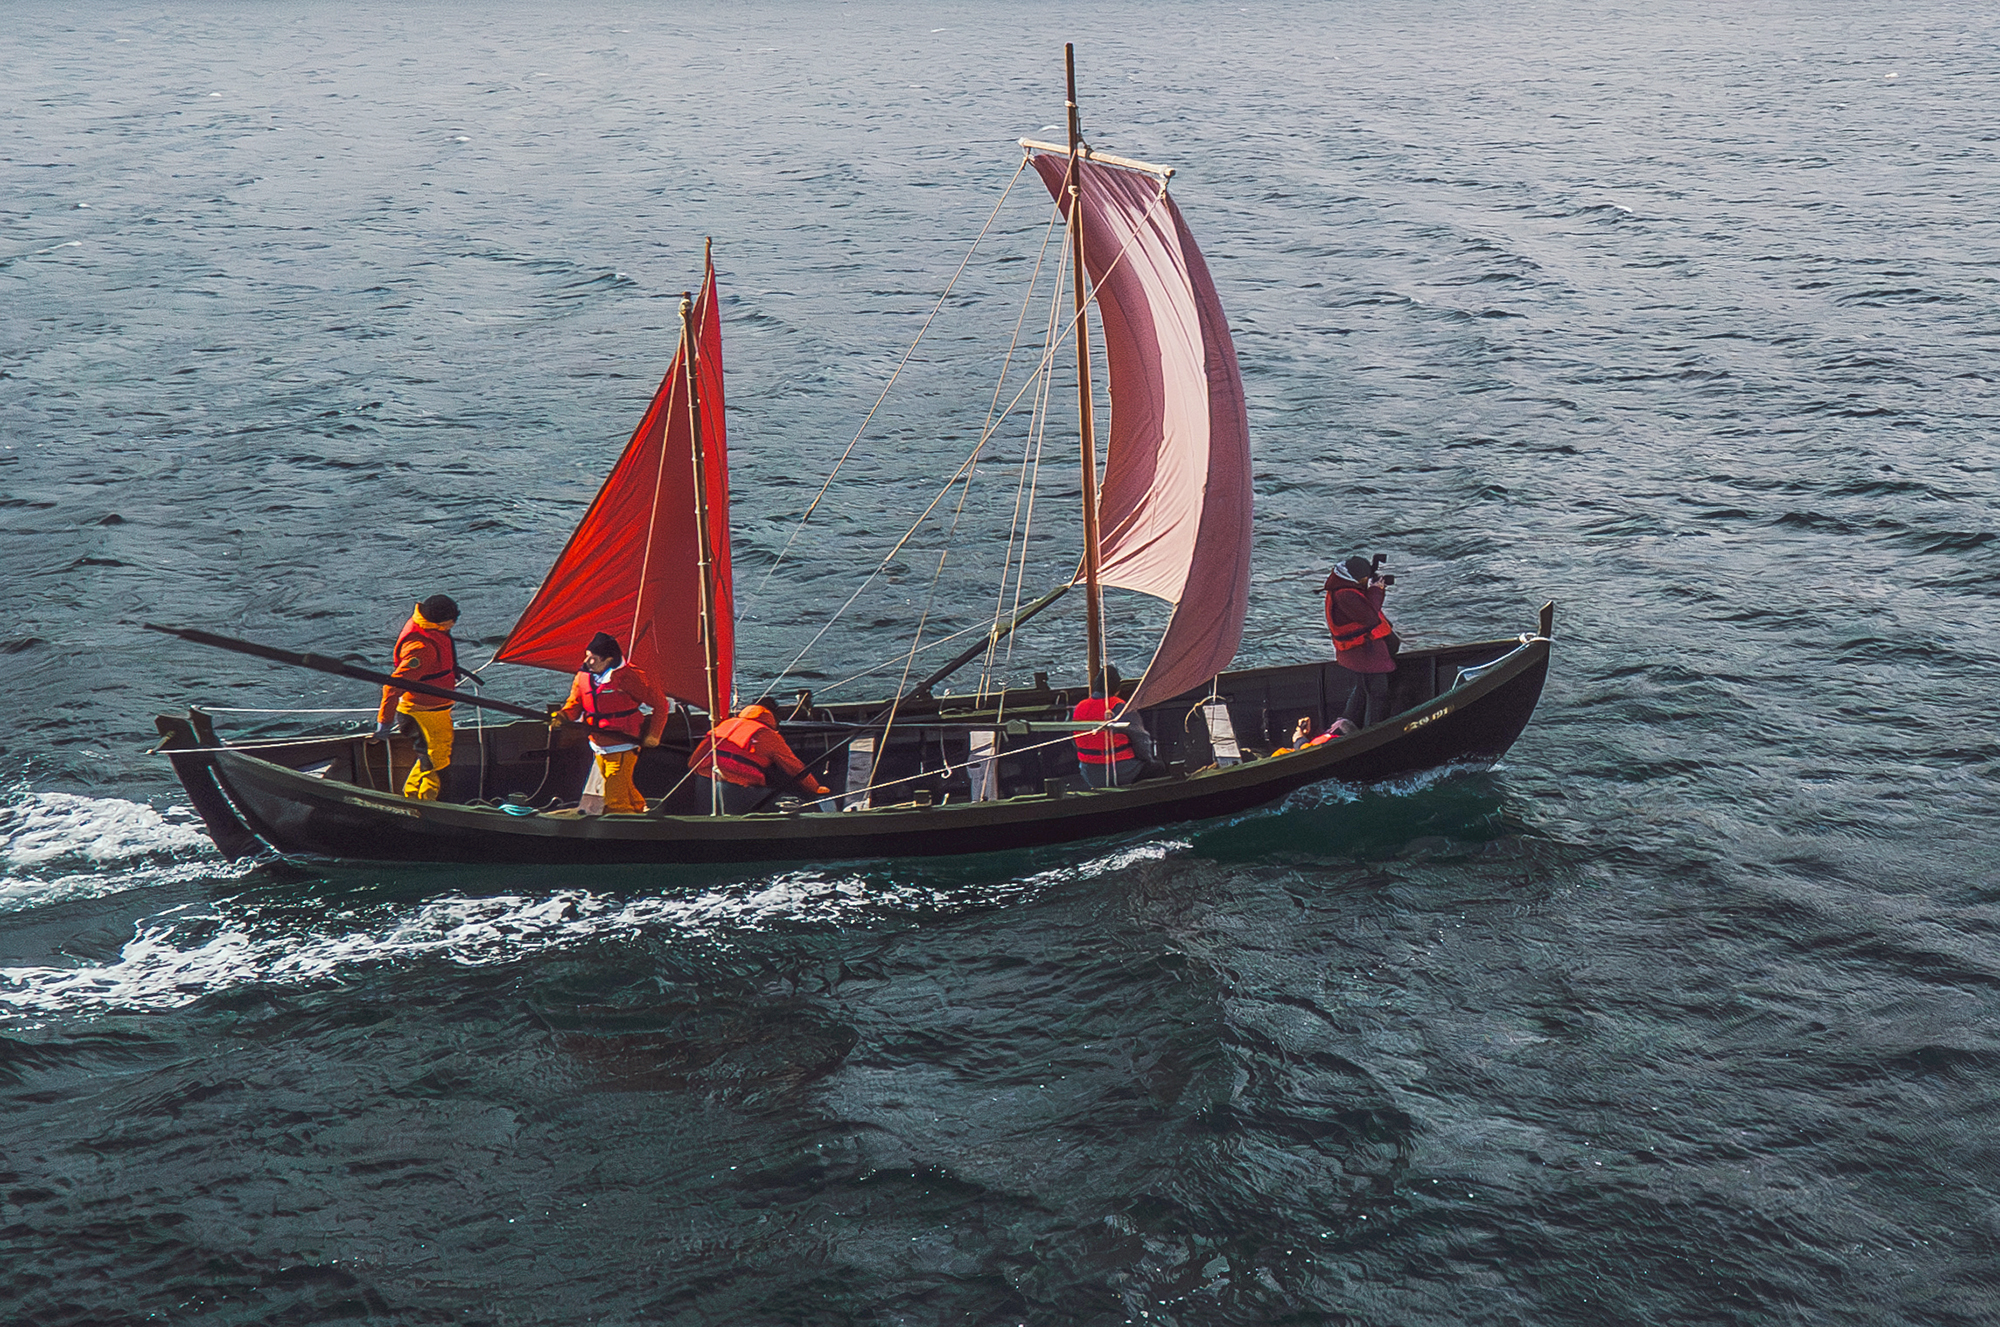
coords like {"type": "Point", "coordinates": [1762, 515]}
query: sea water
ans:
{"type": "Point", "coordinates": [1684, 318]}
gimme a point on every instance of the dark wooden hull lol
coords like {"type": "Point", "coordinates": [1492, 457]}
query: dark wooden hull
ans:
{"type": "Point", "coordinates": [294, 799]}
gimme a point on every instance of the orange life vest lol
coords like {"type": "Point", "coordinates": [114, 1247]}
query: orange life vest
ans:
{"type": "Point", "coordinates": [1107, 747]}
{"type": "Point", "coordinates": [1351, 635]}
{"type": "Point", "coordinates": [727, 754]}
{"type": "Point", "coordinates": [444, 650]}
{"type": "Point", "coordinates": [608, 707]}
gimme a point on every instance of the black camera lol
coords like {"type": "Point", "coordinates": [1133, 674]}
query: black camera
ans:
{"type": "Point", "coordinates": [1375, 569]}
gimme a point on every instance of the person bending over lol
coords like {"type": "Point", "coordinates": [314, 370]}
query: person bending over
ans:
{"type": "Point", "coordinates": [742, 759]}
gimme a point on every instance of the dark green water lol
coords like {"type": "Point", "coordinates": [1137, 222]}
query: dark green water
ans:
{"type": "Point", "coordinates": [1685, 1013]}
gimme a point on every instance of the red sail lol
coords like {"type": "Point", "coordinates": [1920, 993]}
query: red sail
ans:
{"type": "Point", "coordinates": [634, 566]}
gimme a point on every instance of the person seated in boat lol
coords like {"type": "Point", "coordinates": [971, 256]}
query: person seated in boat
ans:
{"type": "Point", "coordinates": [1110, 757]}
{"type": "Point", "coordinates": [625, 712]}
{"type": "Point", "coordinates": [1362, 638]}
{"type": "Point", "coordinates": [425, 652]}
{"type": "Point", "coordinates": [743, 759]}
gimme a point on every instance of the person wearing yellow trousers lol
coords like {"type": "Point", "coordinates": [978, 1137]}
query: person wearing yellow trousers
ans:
{"type": "Point", "coordinates": [625, 712]}
{"type": "Point", "coordinates": [425, 652]}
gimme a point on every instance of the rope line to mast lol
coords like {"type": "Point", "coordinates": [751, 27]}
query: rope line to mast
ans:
{"type": "Point", "coordinates": [1041, 369]}
{"type": "Point", "coordinates": [653, 511]}
{"type": "Point", "coordinates": [949, 768]}
{"type": "Point", "coordinates": [888, 386]}
{"type": "Point", "coordinates": [236, 709]}
{"type": "Point", "coordinates": [930, 600]}
{"type": "Point", "coordinates": [1031, 461]}
{"type": "Point", "coordinates": [891, 662]}
{"type": "Point", "coordinates": [986, 429]}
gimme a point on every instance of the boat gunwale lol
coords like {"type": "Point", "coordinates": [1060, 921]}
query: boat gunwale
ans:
{"type": "Point", "coordinates": [1285, 773]}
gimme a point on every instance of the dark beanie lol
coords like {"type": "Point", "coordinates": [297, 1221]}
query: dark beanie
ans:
{"type": "Point", "coordinates": [604, 646]}
{"type": "Point", "coordinates": [439, 608]}
{"type": "Point", "coordinates": [1360, 568]}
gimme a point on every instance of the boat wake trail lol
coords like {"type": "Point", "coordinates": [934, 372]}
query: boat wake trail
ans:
{"type": "Point", "coordinates": [1315, 795]}
{"type": "Point", "coordinates": [55, 847]}
{"type": "Point", "coordinates": [186, 953]}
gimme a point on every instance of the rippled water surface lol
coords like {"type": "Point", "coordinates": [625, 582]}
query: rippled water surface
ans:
{"type": "Point", "coordinates": [1685, 318]}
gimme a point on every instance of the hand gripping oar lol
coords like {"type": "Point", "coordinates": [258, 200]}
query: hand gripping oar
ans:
{"type": "Point", "coordinates": [319, 663]}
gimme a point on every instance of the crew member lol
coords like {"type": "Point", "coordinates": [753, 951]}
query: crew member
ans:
{"type": "Point", "coordinates": [745, 756]}
{"type": "Point", "coordinates": [1110, 757]}
{"type": "Point", "coordinates": [425, 652]}
{"type": "Point", "coordinates": [625, 712]}
{"type": "Point", "coordinates": [1361, 636]}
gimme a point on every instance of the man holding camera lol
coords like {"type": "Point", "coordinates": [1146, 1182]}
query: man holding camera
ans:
{"type": "Point", "coordinates": [1363, 639]}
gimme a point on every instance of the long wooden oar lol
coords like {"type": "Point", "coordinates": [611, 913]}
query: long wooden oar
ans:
{"type": "Point", "coordinates": [319, 663]}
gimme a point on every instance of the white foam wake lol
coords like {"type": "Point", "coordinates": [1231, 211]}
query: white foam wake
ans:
{"type": "Point", "coordinates": [179, 956]}
{"type": "Point", "coordinates": [1409, 785]}
{"type": "Point", "coordinates": [46, 827]}
{"type": "Point", "coordinates": [57, 846]}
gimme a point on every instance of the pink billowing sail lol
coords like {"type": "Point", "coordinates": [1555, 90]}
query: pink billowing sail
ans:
{"type": "Point", "coordinates": [634, 566]}
{"type": "Point", "coordinates": [1174, 507]}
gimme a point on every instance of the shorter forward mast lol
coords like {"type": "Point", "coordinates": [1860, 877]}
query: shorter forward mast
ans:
{"type": "Point", "coordinates": [650, 560]}
{"type": "Point", "coordinates": [705, 541]}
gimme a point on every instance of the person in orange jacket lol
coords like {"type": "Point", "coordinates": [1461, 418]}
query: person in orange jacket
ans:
{"type": "Point", "coordinates": [738, 759]}
{"type": "Point", "coordinates": [625, 712]}
{"type": "Point", "coordinates": [425, 652]}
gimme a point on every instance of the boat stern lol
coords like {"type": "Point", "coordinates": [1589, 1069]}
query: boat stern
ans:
{"type": "Point", "coordinates": [188, 745]}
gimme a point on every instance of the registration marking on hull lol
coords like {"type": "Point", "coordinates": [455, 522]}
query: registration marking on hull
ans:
{"type": "Point", "coordinates": [365, 804]}
{"type": "Point", "coordinates": [1415, 724]}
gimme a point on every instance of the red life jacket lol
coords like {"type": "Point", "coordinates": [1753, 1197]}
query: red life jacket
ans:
{"type": "Point", "coordinates": [726, 754]}
{"type": "Point", "coordinates": [1352, 635]}
{"type": "Point", "coordinates": [610, 707]}
{"type": "Point", "coordinates": [444, 649]}
{"type": "Point", "coordinates": [1103, 748]}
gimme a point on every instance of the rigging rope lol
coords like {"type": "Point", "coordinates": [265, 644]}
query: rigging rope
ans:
{"type": "Point", "coordinates": [233, 709]}
{"type": "Point", "coordinates": [1031, 476]}
{"type": "Point", "coordinates": [888, 663]}
{"type": "Point", "coordinates": [888, 386]}
{"type": "Point", "coordinates": [1040, 371]}
{"type": "Point", "coordinates": [987, 430]}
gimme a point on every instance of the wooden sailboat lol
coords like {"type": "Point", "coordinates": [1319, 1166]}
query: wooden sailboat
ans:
{"type": "Point", "coordinates": [919, 774]}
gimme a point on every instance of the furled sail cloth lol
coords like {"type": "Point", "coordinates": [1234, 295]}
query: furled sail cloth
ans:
{"type": "Point", "coordinates": [633, 567]}
{"type": "Point", "coordinates": [1174, 507]}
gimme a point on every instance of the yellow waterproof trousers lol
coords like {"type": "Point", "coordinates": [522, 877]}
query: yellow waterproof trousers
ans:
{"type": "Point", "coordinates": [620, 797]}
{"type": "Point", "coordinates": [433, 752]}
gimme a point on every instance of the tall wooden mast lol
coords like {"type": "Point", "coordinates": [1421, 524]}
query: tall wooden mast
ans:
{"type": "Point", "coordinates": [1085, 415]}
{"type": "Point", "coordinates": [688, 382]}
{"type": "Point", "coordinates": [689, 342]}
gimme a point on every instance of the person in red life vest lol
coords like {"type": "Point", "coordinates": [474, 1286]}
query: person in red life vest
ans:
{"type": "Point", "coordinates": [1111, 757]}
{"type": "Point", "coordinates": [1361, 636]}
{"type": "Point", "coordinates": [425, 652]}
{"type": "Point", "coordinates": [625, 712]}
{"type": "Point", "coordinates": [742, 758]}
